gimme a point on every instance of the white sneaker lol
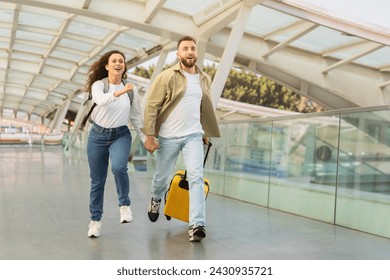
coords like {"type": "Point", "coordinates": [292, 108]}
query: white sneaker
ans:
{"type": "Point", "coordinates": [126, 214]}
{"type": "Point", "coordinates": [197, 233]}
{"type": "Point", "coordinates": [94, 228]}
{"type": "Point", "coordinates": [153, 209]}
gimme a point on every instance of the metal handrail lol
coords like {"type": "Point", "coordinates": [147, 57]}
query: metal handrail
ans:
{"type": "Point", "coordinates": [310, 115]}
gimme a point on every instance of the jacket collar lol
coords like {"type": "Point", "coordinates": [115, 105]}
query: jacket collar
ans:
{"type": "Point", "coordinates": [178, 68]}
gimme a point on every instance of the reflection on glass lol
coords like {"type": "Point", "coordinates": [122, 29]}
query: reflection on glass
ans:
{"type": "Point", "coordinates": [248, 150]}
{"type": "Point", "coordinates": [303, 166]}
{"type": "Point", "coordinates": [365, 152]}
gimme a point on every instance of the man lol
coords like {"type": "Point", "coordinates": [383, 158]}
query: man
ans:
{"type": "Point", "coordinates": [179, 113]}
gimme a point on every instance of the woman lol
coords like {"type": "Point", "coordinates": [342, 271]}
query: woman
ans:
{"type": "Point", "coordinates": [110, 138]}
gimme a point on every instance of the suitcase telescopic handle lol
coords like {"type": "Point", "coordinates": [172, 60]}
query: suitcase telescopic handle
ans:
{"type": "Point", "coordinates": [209, 144]}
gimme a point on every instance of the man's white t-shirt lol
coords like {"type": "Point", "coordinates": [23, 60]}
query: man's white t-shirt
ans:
{"type": "Point", "coordinates": [185, 117]}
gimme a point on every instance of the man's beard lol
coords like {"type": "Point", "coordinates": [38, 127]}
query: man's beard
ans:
{"type": "Point", "coordinates": [187, 63]}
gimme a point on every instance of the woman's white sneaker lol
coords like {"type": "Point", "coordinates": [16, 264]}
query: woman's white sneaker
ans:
{"type": "Point", "coordinates": [94, 228]}
{"type": "Point", "coordinates": [126, 214]}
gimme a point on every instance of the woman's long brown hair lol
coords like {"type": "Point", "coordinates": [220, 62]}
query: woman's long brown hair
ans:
{"type": "Point", "coordinates": [98, 70]}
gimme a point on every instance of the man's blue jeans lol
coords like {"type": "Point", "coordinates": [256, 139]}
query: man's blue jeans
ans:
{"type": "Point", "coordinates": [192, 149]}
{"type": "Point", "coordinates": [106, 144]}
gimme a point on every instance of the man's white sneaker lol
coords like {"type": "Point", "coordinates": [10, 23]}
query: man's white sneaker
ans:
{"type": "Point", "coordinates": [197, 233]}
{"type": "Point", "coordinates": [126, 214]}
{"type": "Point", "coordinates": [94, 229]}
{"type": "Point", "coordinates": [153, 209]}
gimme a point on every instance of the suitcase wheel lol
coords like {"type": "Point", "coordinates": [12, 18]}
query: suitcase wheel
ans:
{"type": "Point", "coordinates": [168, 217]}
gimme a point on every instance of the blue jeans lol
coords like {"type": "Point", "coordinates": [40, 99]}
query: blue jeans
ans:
{"type": "Point", "coordinates": [106, 144]}
{"type": "Point", "coordinates": [191, 147]}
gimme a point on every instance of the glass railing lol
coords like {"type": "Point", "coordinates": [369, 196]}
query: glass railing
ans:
{"type": "Point", "coordinates": [331, 166]}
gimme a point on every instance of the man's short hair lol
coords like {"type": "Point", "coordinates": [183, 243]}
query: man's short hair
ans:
{"type": "Point", "coordinates": [185, 38]}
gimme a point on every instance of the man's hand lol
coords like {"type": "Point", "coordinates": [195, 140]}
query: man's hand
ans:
{"type": "Point", "coordinates": [151, 143]}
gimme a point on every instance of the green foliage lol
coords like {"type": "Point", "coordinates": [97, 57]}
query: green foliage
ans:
{"type": "Point", "coordinates": [254, 89]}
{"type": "Point", "coordinates": [143, 72]}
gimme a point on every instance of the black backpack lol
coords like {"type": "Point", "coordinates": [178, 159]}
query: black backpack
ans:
{"type": "Point", "coordinates": [130, 93]}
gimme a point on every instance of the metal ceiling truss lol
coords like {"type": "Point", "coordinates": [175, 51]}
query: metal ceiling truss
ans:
{"type": "Point", "coordinates": [47, 47]}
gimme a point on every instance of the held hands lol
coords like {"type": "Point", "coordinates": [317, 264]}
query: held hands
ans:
{"type": "Point", "coordinates": [151, 143]}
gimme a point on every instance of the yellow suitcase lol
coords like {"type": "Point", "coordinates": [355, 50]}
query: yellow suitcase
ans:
{"type": "Point", "coordinates": [177, 196]}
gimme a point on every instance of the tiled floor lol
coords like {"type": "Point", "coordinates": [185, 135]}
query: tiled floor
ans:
{"type": "Point", "coordinates": [44, 216]}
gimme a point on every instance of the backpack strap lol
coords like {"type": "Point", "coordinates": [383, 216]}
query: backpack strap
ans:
{"type": "Point", "coordinates": [88, 116]}
{"type": "Point", "coordinates": [106, 87]}
{"type": "Point", "coordinates": [130, 93]}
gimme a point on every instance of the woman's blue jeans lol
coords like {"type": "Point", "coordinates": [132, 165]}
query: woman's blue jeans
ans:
{"type": "Point", "coordinates": [106, 144]}
{"type": "Point", "coordinates": [191, 147]}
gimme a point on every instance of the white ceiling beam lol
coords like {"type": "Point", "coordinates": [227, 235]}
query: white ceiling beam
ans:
{"type": "Point", "coordinates": [25, 42]}
{"type": "Point", "coordinates": [38, 30]}
{"type": "Point", "coordinates": [160, 50]}
{"type": "Point", "coordinates": [233, 111]}
{"type": "Point", "coordinates": [56, 41]}
{"type": "Point", "coordinates": [63, 109]}
{"type": "Point", "coordinates": [106, 42]}
{"type": "Point", "coordinates": [385, 68]}
{"type": "Point", "coordinates": [86, 4]}
{"type": "Point", "coordinates": [81, 38]}
{"type": "Point", "coordinates": [330, 91]}
{"type": "Point", "coordinates": [160, 64]}
{"type": "Point", "coordinates": [304, 29]}
{"type": "Point", "coordinates": [314, 92]}
{"type": "Point", "coordinates": [252, 3]}
{"type": "Point", "coordinates": [11, 41]}
{"type": "Point", "coordinates": [369, 49]}
{"type": "Point", "coordinates": [332, 22]}
{"type": "Point", "coordinates": [152, 7]}
{"type": "Point", "coordinates": [307, 66]}
{"type": "Point", "coordinates": [356, 45]}
{"type": "Point", "coordinates": [229, 53]}
{"type": "Point", "coordinates": [292, 27]}
{"type": "Point", "coordinates": [208, 25]}
{"type": "Point", "coordinates": [215, 9]}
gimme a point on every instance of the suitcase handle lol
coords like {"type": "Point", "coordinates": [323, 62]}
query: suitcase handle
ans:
{"type": "Point", "coordinates": [209, 144]}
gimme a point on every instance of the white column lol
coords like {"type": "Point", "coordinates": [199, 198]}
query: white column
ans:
{"type": "Point", "coordinates": [61, 115]}
{"type": "Point", "coordinates": [82, 111]}
{"type": "Point", "coordinates": [157, 70]}
{"type": "Point", "coordinates": [160, 64]}
{"type": "Point", "coordinates": [229, 53]}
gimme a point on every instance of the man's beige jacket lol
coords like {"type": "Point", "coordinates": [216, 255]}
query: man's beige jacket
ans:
{"type": "Point", "coordinates": [166, 92]}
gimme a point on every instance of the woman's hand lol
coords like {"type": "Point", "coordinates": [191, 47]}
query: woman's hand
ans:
{"type": "Point", "coordinates": [151, 143]}
{"type": "Point", "coordinates": [125, 89]}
